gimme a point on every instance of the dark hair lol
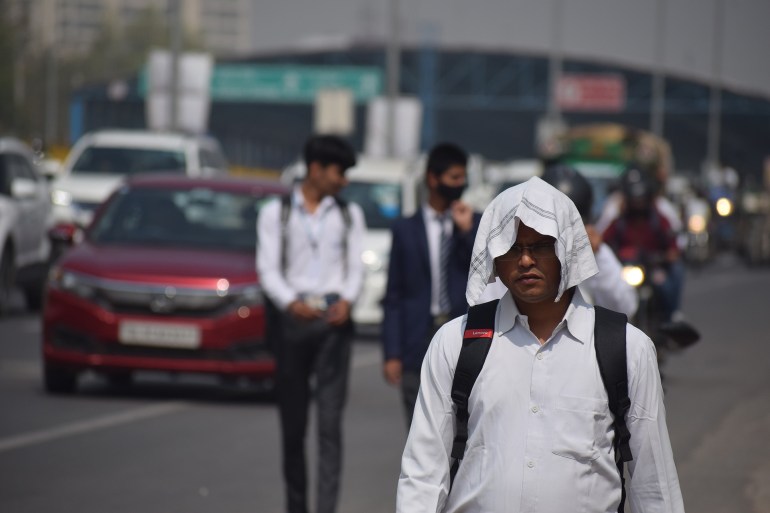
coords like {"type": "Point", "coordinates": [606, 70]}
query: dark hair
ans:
{"type": "Point", "coordinates": [329, 149]}
{"type": "Point", "coordinates": [568, 180]}
{"type": "Point", "coordinates": [445, 155]}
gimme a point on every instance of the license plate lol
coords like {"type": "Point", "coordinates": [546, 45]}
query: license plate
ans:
{"type": "Point", "coordinates": [157, 334]}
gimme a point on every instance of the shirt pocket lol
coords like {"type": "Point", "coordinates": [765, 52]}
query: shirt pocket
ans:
{"type": "Point", "coordinates": [578, 426]}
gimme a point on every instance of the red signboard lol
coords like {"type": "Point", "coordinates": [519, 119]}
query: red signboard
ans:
{"type": "Point", "coordinates": [590, 92]}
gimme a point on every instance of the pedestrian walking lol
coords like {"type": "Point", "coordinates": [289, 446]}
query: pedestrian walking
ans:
{"type": "Point", "coordinates": [309, 262]}
{"type": "Point", "coordinates": [606, 288]}
{"type": "Point", "coordinates": [538, 429]}
{"type": "Point", "coordinates": [428, 270]}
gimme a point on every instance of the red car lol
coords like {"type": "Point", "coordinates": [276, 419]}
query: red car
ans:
{"type": "Point", "coordinates": [164, 280]}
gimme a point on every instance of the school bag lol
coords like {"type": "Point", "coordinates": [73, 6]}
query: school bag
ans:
{"type": "Point", "coordinates": [610, 344]}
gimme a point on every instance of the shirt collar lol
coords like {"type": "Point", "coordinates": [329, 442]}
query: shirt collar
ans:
{"type": "Point", "coordinates": [579, 317]}
{"type": "Point", "coordinates": [299, 199]}
{"type": "Point", "coordinates": [432, 214]}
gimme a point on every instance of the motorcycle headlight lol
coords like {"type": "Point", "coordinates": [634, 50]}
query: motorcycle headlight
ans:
{"type": "Point", "coordinates": [71, 282]}
{"type": "Point", "coordinates": [61, 198]}
{"type": "Point", "coordinates": [372, 260]}
{"type": "Point", "coordinates": [724, 207]}
{"type": "Point", "coordinates": [633, 274]}
{"type": "Point", "coordinates": [696, 223]}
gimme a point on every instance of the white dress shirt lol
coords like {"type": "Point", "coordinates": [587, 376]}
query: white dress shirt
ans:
{"type": "Point", "coordinates": [540, 429]}
{"type": "Point", "coordinates": [315, 263]}
{"type": "Point", "coordinates": [435, 223]}
{"type": "Point", "coordinates": [607, 289]}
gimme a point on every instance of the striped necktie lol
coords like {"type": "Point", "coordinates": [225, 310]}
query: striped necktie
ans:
{"type": "Point", "coordinates": [445, 247]}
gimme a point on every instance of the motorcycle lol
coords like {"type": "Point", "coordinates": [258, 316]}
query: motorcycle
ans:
{"type": "Point", "coordinates": [648, 274]}
{"type": "Point", "coordinates": [698, 246]}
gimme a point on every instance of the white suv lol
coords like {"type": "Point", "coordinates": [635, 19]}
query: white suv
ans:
{"type": "Point", "coordinates": [25, 218]}
{"type": "Point", "coordinates": [100, 161]}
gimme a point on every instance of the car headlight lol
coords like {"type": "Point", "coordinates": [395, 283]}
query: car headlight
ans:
{"type": "Point", "coordinates": [372, 260]}
{"type": "Point", "coordinates": [633, 275]}
{"type": "Point", "coordinates": [696, 223]}
{"type": "Point", "coordinates": [724, 207]}
{"type": "Point", "coordinates": [61, 198]}
{"type": "Point", "coordinates": [71, 282]}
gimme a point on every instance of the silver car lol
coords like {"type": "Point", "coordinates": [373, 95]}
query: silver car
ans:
{"type": "Point", "coordinates": [25, 218]}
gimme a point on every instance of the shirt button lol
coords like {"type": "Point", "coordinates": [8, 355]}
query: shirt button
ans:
{"type": "Point", "coordinates": [531, 464]}
{"type": "Point", "coordinates": [539, 356]}
{"type": "Point", "coordinates": [535, 409]}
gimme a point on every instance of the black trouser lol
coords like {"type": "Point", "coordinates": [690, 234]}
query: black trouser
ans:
{"type": "Point", "coordinates": [410, 378]}
{"type": "Point", "coordinates": [303, 350]}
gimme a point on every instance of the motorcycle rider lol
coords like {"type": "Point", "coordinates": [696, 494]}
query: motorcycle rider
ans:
{"type": "Point", "coordinates": [643, 234]}
{"type": "Point", "coordinates": [607, 288]}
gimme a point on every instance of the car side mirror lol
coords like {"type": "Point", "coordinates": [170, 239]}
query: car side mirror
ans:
{"type": "Point", "coordinates": [65, 233]}
{"type": "Point", "coordinates": [23, 188]}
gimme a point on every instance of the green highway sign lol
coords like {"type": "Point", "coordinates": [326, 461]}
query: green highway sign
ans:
{"type": "Point", "coordinates": [281, 83]}
{"type": "Point", "coordinates": [284, 83]}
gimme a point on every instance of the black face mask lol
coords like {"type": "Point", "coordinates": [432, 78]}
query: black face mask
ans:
{"type": "Point", "coordinates": [449, 192]}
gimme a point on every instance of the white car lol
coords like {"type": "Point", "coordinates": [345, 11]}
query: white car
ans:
{"type": "Point", "coordinates": [25, 218]}
{"type": "Point", "coordinates": [384, 189]}
{"type": "Point", "coordinates": [100, 161]}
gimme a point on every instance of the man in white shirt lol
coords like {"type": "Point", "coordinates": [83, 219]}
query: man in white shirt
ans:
{"type": "Point", "coordinates": [540, 432]}
{"type": "Point", "coordinates": [309, 263]}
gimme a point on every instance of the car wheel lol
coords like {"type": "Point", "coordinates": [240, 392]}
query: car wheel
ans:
{"type": "Point", "coordinates": [7, 281]}
{"type": "Point", "coordinates": [58, 380]}
{"type": "Point", "coordinates": [34, 295]}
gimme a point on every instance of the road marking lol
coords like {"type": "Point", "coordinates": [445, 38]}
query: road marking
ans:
{"type": "Point", "coordinates": [86, 426]}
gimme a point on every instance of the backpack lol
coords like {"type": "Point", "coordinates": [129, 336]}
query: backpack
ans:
{"type": "Point", "coordinates": [610, 343]}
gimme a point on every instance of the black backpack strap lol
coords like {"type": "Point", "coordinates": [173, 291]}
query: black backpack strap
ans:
{"type": "Point", "coordinates": [479, 331]}
{"type": "Point", "coordinates": [610, 343]}
{"type": "Point", "coordinates": [285, 212]}
{"type": "Point", "coordinates": [346, 219]}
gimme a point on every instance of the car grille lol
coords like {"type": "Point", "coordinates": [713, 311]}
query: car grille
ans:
{"type": "Point", "coordinates": [139, 299]}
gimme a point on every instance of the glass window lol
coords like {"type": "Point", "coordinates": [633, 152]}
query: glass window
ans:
{"type": "Point", "coordinates": [381, 202]}
{"type": "Point", "coordinates": [128, 161]}
{"type": "Point", "coordinates": [194, 218]}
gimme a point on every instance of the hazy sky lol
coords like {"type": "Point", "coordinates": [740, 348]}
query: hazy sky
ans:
{"type": "Point", "coordinates": [622, 31]}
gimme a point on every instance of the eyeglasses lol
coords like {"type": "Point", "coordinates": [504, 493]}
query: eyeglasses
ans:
{"type": "Point", "coordinates": [541, 250]}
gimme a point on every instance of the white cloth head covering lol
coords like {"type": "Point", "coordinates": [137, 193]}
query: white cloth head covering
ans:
{"type": "Point", "coordinates": [547, 211]}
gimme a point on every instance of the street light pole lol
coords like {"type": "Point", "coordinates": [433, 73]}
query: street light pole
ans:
{"type": "Point", "coordinates": [176, 45]}
{"type": "Point", "coordinates": [715, 98]}
{"type": "Point", "coordinates": [393, 71]}
{"type": "Point", "coordinates": [657, 108]}
{"type": "Point", "coordinates": [555, 61]}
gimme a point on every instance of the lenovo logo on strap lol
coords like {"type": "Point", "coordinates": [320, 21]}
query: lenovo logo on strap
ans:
{"type": "Point", "coordinates": [479, 333]}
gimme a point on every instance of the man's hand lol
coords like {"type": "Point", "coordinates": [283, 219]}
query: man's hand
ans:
{"type": "Point", "coordinates": [462, 215]}
{"type": "Point", "coordinates": [392, 371]}
{"type": "Point", "coordinates": [338, 313]}
{"type": "Point", "coordinates": [594, 236]}
{"type": "Point", "coordinates": [304, 312]}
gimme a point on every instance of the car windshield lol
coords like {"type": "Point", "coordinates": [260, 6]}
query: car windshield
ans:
{"type": "Point", "coordinates": [195, 218]}
{"type": "Point", "coordinates": [381, 202]}
{"type": "Point", "coordinates": [128, 161]}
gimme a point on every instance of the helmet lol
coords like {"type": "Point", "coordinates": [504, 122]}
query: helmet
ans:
{"type": "Point", "coordinates": [569, 181]}
{"type": "Point", "coordinates": [637, 184]}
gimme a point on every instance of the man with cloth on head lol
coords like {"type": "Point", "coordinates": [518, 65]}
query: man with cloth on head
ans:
{"type": "Point", "coordinates": [540, 432]}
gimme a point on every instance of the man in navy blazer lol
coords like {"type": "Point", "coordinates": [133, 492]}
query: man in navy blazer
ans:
{"type": "Point", "coordinates": [425, 288]}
